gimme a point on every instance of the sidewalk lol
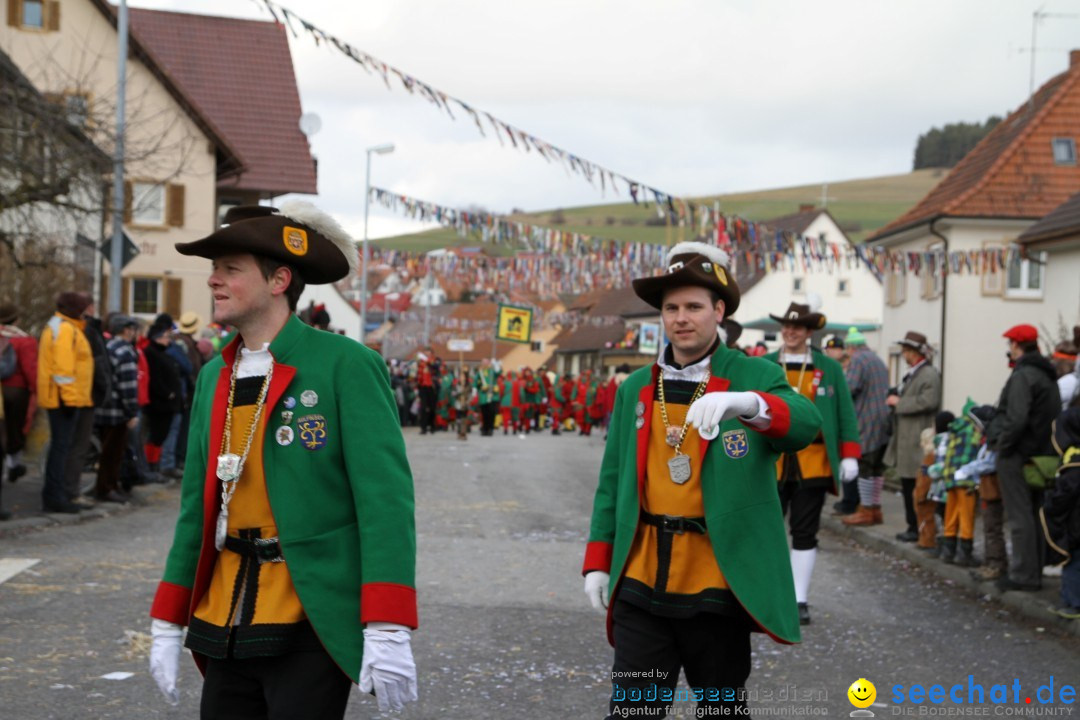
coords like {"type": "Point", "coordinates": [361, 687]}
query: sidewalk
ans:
{"type": "Point", "coordinates": [1032, 605]}
{"type": "Point", "coordinates": [23, 500]}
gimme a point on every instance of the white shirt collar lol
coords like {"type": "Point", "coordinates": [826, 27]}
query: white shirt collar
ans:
{"type": "Point", "coordinates": [254, 363]}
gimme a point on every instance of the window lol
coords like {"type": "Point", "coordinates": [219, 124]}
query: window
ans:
{"type": "Point", "coordinates": [33, 13]}
{"type": "Point", "coordinates": [1064, 151]}
{"type": "Point", "coordinates": [1025, 277]}
{"type": "Point", "coordinates": [147, 203]}
{"type": "Point", "coordinates": [843, 287]}
{"type": "Point", "coordinates": [798, 286]}
{"type": "Point", "coordinates": [537, 345]}
{"type": "Point", "coordinates": [77, 109]}
{"type": "Point", "coordinates": [145, 294]}
{"type": "Point", "coordinates": [895, 288]}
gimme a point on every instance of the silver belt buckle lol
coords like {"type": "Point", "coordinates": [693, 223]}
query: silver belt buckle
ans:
{"type": "Point", "coordinates": [263, 542]}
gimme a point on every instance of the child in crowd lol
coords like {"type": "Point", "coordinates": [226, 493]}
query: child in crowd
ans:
{"type": "Point", "coordinates": [965, 437]}
{"type": "Point", "coordinates": [983, 472]}
{"type": "Point", "coordinates": [1060, 512]}
{"type": "Point", "coordinates": [929, 492]}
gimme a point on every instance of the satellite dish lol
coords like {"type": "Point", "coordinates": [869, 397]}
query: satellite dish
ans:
{"type": "Point", "coordinates": [310, 123]}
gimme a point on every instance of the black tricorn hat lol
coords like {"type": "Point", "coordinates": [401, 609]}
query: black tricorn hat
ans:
{"type": "Point", "coordinates": [799, 314]}
{"type": "Point", "coordinates": [693, 264]}
{"type": "Point", "coordinates": [299, 234]}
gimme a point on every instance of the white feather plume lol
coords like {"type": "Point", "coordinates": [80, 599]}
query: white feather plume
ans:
{"type": "Point", "coordinates": [814, 301]}
{"type": "Point", "coordinates": [712, 252]}
{"type": "Point", "coordinates": [304, 212]}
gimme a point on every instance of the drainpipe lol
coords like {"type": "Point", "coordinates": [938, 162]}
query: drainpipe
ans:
{"type": "Point", "coordinates": [944, 294]}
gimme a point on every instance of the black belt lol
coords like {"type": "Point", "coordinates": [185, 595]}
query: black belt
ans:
{"type": "Point", "coordinates": [263, 550]}
{"type": "Point", "coordinates": [674, 523]}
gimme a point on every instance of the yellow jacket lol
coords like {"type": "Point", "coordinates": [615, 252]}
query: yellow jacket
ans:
{"type": "Point", "coordinates": [65, 364]}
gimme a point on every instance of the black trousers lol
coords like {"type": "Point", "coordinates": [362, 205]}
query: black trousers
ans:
{"type": "Point", "coordinates": [907, 490]}
{"type": "Point", "coordinates": [16, 405]}
{"type": "Point", "coordinates": [427, 409]}
{"type": "Point", "coordinates": [294, 686]}
{"type": "Point", "coordinates": [713, 651]}
{"type": "Point", "coordinates": [113, 444]}
{"type": "Point", "coordinates": [487, 418]}
{"type": "Point", "coordinates": [804, 504]}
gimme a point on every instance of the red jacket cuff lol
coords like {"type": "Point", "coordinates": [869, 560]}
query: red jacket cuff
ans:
{"type": "Point", "coordinates": [172, 603]}
{"type": "Point", "coordinates": [850, 450]}
{"type": "Point", "coordinates": [597, 557]}
{"type": "Point", "coordinates": [781, 416]}
{"type": "Point", "coordinates": [388, 602]}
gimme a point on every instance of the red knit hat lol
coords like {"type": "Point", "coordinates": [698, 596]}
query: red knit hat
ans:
{"type": "Point", "coordinates": [1022, 333]}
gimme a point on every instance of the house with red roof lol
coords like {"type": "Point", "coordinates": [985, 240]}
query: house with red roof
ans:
{"type": "Point", "coordinates": [1022, 170]}
{"type": "Point", "coordinates": [212, 115]}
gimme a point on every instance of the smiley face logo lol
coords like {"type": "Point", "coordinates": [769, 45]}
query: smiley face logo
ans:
{"type": "Point", "coordinates": [862, 693]}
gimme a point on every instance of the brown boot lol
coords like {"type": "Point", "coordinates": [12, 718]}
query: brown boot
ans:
{"type": "Point", "coordinates": [863, 516]}
{"type": "Point", "coordinates": [878, 517]}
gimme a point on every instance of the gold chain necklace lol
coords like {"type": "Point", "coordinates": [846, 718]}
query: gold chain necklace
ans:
{"type": "Point", "coordinates": [686, 423]}
{"type": "Point", "coordinates": [230, 465]}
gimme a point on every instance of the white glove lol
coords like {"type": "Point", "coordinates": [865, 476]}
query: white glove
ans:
{"type": "Point", "coordinates": [388, 667]}
{"type": "Point", "coordinates": [713, 408]}
{"type": "Point", "coordinates": [849, 469]}
{"type": "Point", "coordinates": [596, 587]}
{"type": "Point", "coordinates": [962, 474]}
{"type": "Point", "coordinates": [165, 657]}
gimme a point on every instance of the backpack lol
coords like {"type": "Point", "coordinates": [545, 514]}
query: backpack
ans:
{"type": "Point", "coordinates": [9, 362]}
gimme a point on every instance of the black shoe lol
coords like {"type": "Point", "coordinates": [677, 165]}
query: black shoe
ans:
{"type": "Point", "coordinates": [16, 472]}
{"type": "Point", "coordinates": [1007, 584]}
{"type": "Point", "coordinates": [67, 508]}
{"type": "Point", "coordinates": [908, 536]}
{"type": "Point", "coordinates": [113, 496]}
{"type": "Point", "coordinates": [804, 614]}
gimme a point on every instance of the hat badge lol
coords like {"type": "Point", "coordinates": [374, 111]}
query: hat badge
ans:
{"type": "Point", "coordinates": [675, 267]}
{"type": "Point", "coordinates": [706, 266]}
{"type": "Point", "coordinates": [296, 240]}
{"type": "Point", "coordinates": [793, 315]}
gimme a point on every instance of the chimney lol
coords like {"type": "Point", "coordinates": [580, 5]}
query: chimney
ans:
{"type": "Point", "coordinates": [806, 207]}
{"type": "Point", "coordinates": [1074, 58]}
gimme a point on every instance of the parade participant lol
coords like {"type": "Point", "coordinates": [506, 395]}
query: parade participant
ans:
{"type": "Point", "coordinates": [1060, 513]}
{"type": "Point", "coordinates": [673, 508]}
{"type": "Point", "coordinates": [530, 392]}
{"type": "Point", "coordinates": [914, 404]}
{"type": "Point", "coordinates": [463, 394]}
{"type": "Point", "coordinates": [65, 378]}
{"type": "Point", "coordinates": [805, 477]}
{"type": "Point", "coordinates": [1020, 431]}
{"type": "Point", "coordinates": [584, 400]}
{"type": "Point", "coordinates": [444, 400]}
{"type": "Point", "coordinates": [868, 380]}
{"type": "Point", "coordinates": [507, 411]}
{"type": "Point", "coordinates": [19, 362]}
{"type": "Point", "coordinates": [294, 553]}
{"type": "Point", "coordinates": [544, 398]}
{"type": "Point", "coordinates": [425, 383]}
{"type": "Point", "coordinates": [486, 398]}
{"type": "Point", "coordinates": [597, 409]}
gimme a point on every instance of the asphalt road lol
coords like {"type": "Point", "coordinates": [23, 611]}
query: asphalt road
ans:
{"type": "Point", "coordinates": [506, 630]}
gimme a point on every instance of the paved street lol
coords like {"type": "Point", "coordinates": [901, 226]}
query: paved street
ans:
{"type": "Point", "coordinates": [506, 630]}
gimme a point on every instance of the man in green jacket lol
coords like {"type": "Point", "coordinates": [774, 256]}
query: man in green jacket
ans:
{"type": "Point", "coordinates": [294, 553]}
{"type": "Point", "coordinates": [806, 476]}
{"type": "Point", "coordinates": [687, 536]}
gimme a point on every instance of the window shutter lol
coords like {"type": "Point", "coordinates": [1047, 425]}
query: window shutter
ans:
{"type": "Point", "coordinates": [125, 295]}
{"type": "Point", "coordinates": [14, 12]}
{"type": "Point", "coordinates": [52, 17]}
{"type": "Point", "coordinates": [174, 205]}
{"type": "Point", "coordinates": [173, 290]}
{"type": "Point", "coordinates": [127, 201]}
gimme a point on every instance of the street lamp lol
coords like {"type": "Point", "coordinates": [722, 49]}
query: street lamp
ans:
{"type": "Point", "coordinates": [380, 150]}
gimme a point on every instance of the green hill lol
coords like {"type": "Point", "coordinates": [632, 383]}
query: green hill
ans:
{"type": "Point", "coordinates": [860, 206]}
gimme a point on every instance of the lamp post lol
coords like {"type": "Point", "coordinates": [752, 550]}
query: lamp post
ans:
{"type": "Point", "coordinates": [380, 150]}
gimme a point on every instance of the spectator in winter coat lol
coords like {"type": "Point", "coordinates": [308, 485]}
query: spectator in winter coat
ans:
{"type": "Point", "coordinates": [19, 387]}
{"type": "Point", "coordinates": [1061, 512]}
{"type": "Point", "coordinates": [65, 382]}
{"type": "Point", "coordinates": [166, 393]}
{"type": "Point", "coordinates": [1021, 430]}
{"type": "Point", "coordinates": [119, 414]}
{"type": "Point", "coordinates": [1066, 359]}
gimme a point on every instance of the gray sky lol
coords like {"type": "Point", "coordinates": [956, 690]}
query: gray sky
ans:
{"type": "Point", "coordinates": [689, 96]}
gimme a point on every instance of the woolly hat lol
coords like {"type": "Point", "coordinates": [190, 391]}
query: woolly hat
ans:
{"type": "Point", "coordinates": [8, 314]}
{"type": "Point", "coordinates": [73, 304]}
{"type": "Point", "coordinates": [693, 264]}
{"type": "Point", "coordinates": [854, 337]}
{"type": "Point", "coordinates": [299, 235]}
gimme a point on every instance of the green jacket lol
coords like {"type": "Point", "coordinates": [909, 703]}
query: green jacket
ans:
{"type": "Point", "coordinates": [839, 425]}
{"type": "Point", "coordinates": [485, 385]}
{"type": "Point", "coordinates": [742, 507]}
{"type": "Point", "coordinates": [344, 510]}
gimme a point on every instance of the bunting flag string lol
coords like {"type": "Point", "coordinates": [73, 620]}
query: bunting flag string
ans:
{"type": "Point", "coordinates": [681, 211]}
{"type": "Point", "coordinates": [566, 261]}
